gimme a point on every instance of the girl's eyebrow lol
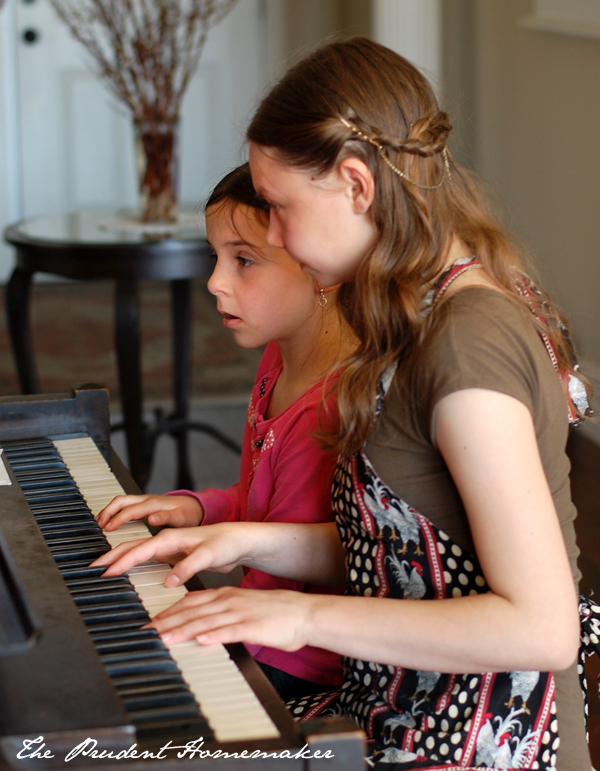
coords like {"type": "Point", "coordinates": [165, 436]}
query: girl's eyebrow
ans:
{"type": "Point", "coordinates": [236, 242]}
{"type": "Point", "coordinates": [240, 242]}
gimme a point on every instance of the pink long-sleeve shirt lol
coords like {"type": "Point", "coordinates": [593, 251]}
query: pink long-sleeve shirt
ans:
{"type": "Point", "coordinates": [285, 476]}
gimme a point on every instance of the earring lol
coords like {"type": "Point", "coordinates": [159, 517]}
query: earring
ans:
{"type": "Point", "coordinates": [322, 298]}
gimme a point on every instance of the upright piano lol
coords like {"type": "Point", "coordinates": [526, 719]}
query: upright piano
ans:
{"type": "Point", "coordinates": [76, 669]}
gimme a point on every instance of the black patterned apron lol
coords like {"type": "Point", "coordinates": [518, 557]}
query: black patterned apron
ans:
{"type": "Point", "coordinates": [420, 719]}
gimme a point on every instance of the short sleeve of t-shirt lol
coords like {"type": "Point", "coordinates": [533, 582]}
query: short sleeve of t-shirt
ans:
{"type": "Point", "coordinates": [486, 343]}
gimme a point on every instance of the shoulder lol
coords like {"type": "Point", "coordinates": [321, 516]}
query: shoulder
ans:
{"type": "Point", "coordinates": [487, 306]}
{"type": "Point", "coordinates": [485, 340]}
{"type": "Point", "coordinates": [480, 319]}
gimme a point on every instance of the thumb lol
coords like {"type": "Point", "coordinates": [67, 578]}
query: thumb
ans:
{"type": "Point", "coordinates": [194, 563]}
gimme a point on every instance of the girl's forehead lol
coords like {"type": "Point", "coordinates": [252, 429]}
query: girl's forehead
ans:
{"type": "Point", "coordinates": [228, 216]}
{"type": "Point", "coordinates": [267, 168]}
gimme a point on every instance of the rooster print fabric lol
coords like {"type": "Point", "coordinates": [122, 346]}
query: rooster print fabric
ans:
{"type": "Point", "coordinates": [426, 720]}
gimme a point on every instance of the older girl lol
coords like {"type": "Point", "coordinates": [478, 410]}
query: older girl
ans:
{"type": "Point", "coordinates": [460, 629]}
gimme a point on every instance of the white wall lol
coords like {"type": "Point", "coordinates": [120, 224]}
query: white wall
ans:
{"type": "Point", "coordinates": [411, 28]}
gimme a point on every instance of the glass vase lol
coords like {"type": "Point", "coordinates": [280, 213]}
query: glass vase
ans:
{"type": "Point", "coordinates": [157, 165]}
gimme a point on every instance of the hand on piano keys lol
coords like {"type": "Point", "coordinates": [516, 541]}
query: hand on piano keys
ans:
{"type": "Point", "coordinates": [274, 618]}
{"type": "Point", "coordinates": [159, 510]}
{"type": "Point", "coordinates": [278, 618]}
{"type": "Point", "coordinates": [219, 548]}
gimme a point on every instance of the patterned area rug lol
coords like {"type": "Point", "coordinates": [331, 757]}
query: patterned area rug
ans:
{"type": "Point", "coordinates": [73, 333]}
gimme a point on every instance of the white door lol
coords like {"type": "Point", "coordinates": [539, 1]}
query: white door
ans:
{"type": "Point", "coordinates": [66, 144]}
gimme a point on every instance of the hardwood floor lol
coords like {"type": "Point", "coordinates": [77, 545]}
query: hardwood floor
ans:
{"type": "Point", "coordinates": [585, 486]}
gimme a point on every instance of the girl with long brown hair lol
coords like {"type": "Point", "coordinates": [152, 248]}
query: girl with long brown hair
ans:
{"type": "Point", "coordinates": [460, 624]}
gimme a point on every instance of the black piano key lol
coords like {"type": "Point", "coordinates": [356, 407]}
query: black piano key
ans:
{"type": "Point", "coordinates": [106, 598]}
{"type": "Point", "coordinates": [87, 542]}
{"type": "Point", "coordinates": [58, 527]}
{"type": "Point", "coordinates": [82, 532]}
{"type": "Point", "coordinates": [123, 635]}
{"type": "Point", "coordinates": [31, 465]}
{"type": "Point", "coordinates": [63, 518]}
{"type": "Point", "coordinates": [149, 667]}
{"type": "Point", "coordinates": [115, 616]}
{"type": "Point", "coordinates": [79, 566]}
{"type": "Point", "coordinates": [146, 688]}
{"type": "Point", "coordinates": [61, 482]}
{"type": "Point", "coordinates": [43, 478]}
{"type": "Point", "coordinates": [75, 584]}
{"type": "Point", "coordinates": [41, 454]}
{"type": "Point", "coordinates": [60, 510]}
{"type": "Point", "coordinates": [106, 586]}
{"type": "Point", "coordinates": [136, 657]}
{"type": "Point", "coordinates": [126, 645]}
{"type": "Point", "coordinates": [82, 557]}
{"type": "Point", "coordinates": [54, 496]}
{"type": "Point", "coordinates": [116, 625]}
{"type": "Point", "coordinates": [124, 682]}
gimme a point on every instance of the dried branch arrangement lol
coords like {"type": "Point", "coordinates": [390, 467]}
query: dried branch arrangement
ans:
{"type": "Point", "coordinates": [146, 51]}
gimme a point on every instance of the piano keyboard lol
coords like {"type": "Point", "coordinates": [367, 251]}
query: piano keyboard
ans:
{"type": "Point", "coordinates": [158, 684]}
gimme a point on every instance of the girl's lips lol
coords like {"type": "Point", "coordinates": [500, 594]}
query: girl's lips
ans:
{"type": "Point", "coordinates": [229, 320]}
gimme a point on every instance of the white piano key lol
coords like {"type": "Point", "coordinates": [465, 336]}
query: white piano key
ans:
{"type": "Point", "coordinates": [227, 701]}
{"type": "Point", "coordinates": [115, 538]}
{"type": "Point", "coordinates": [160, 591]}
{"type": "Point", "coordinates": [148, 579]}
{"type": "Point", "coordinates": [149, 568]}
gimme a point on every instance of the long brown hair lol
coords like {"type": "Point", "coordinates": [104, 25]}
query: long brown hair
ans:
{"type": "Point", "coordinates": [391, 110]}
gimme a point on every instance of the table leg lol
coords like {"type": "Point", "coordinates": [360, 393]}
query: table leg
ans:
{"type": "Point", "coordinates": [127, 342]}
{"type": "Point", "coordinates": [17, 309]}
{"type": "Point", "coordinates": [181, 304]}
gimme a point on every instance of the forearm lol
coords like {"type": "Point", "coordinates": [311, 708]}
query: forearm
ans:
{"type": "Point", "coordinates": [310, 553]}
{"type": "Point", "coordinates": [480, 633]}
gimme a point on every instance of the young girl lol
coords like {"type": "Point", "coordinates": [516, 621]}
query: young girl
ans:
{"type": "Point", "coordinates": [265, 297]}
{"type": "Point", "coordinates": [460, 629]}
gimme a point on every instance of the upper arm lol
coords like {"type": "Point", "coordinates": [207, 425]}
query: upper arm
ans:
{"type": "Point", "coordinates": [489, 444]}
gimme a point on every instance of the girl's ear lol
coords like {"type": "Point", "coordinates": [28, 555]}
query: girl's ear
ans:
{"type": "Point", "coordinates": [359, 181]}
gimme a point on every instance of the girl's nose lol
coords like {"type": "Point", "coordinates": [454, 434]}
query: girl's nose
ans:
{"type": "Point", "coordinates": [274, 235]}
{"type": "Point", "coordinates": [216, 283]}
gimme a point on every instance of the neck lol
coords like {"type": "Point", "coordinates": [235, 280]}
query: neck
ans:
{"type": "Point", "coordinates": [310, 356]}
{"type": "Point", "coordinates": [457, 251]}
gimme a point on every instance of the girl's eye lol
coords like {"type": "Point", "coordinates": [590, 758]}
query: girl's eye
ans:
{"type": "Point", "coordinates": [244, 261]}
{"type": "Point", "coordinates": [213, 256]}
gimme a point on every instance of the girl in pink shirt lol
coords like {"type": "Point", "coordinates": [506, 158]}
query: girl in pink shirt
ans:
{"type": "Point", "coordinates": [286, 476]}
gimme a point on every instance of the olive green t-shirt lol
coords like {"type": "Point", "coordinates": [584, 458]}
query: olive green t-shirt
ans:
{"type": "Point", "coordinates": [486, 342]}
